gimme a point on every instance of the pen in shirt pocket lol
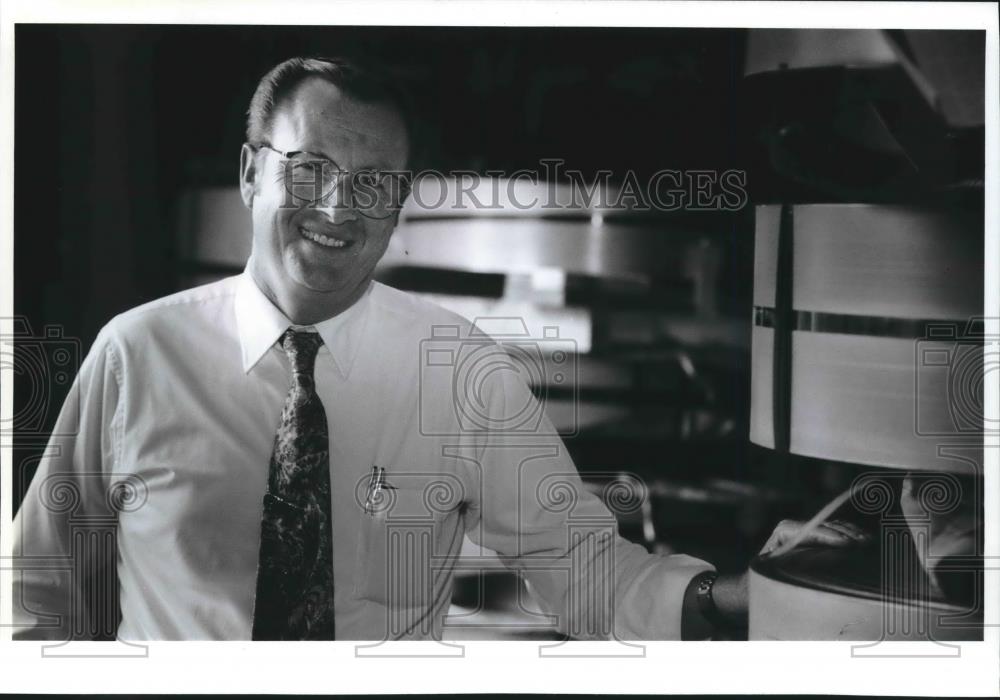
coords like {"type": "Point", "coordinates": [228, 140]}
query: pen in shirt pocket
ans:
{"type": "Point", "coordinates": [376, 484]}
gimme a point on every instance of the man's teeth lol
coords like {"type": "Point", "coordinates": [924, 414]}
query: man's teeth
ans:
{"type": "Point", "coordinates": [321, 239]}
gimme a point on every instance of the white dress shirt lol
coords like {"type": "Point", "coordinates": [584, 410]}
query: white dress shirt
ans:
{"type": "Point", "coordinates": [169, 427]}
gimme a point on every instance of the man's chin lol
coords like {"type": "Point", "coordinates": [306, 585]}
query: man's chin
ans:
{"type": "Point", "coordinates": [319, 282]}
{"type": "Point", "coordinates": [314, 277]}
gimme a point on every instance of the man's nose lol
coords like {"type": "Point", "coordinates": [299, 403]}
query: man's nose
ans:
{"type": "Point", "coordinates": [337, 205]}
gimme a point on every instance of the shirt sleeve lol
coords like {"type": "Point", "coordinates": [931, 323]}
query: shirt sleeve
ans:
{"type": "Point", "coordinates": [62, 531]}
{"type": "Point", "coordinates": [529, 504]}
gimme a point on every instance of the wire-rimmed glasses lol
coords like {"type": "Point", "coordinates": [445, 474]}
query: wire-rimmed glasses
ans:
{"type": "Point", "coordinates": [311, 179]}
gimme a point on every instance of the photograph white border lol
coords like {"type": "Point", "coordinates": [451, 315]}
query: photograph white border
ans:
{"type": "Point", "coordinates": [668, 667]}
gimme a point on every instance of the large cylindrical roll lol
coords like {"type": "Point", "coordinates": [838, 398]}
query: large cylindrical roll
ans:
{"type": "Point", "coordinates": [867, 338]}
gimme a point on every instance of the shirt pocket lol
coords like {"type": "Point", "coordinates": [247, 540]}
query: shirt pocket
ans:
{"type": "Point", "coordinates": [404, 542]}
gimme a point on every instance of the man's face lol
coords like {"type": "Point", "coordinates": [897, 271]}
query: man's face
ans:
{"type": "Point", "coordinates": [323, 250]}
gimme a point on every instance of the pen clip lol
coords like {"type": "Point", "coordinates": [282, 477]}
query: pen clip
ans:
{"type": "Point", "coordinates": [375, 484]}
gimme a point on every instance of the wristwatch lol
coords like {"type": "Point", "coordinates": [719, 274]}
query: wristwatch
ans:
{"type": "Point", "coordinates": [706, 603]}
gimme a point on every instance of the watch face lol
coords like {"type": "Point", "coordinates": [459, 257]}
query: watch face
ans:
{"type": "Point", "coordinates": [703, 596]}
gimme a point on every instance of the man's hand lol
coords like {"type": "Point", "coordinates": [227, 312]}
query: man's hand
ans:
{"type": "Point", "coordinates": [833, 533]}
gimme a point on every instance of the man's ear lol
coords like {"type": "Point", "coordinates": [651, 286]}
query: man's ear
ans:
{"type": "Point", "coordinates": [248, 174]}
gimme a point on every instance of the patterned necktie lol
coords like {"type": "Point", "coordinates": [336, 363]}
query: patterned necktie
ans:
{"type": "Point", "coordinates": [295, 570]}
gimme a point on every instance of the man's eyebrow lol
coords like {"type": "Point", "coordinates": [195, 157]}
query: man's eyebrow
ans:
{"type": "Point", "coordinates": [314, 153]}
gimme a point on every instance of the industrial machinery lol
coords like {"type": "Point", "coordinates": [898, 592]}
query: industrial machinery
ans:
{"type": "Point", "coordinates": [868, 338]}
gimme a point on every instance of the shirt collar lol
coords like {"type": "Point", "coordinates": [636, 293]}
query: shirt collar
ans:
{"type": "Point", "coordinates": [260, 325]}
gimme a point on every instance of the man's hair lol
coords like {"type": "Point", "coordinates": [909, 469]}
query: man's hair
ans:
{"type": "Point", "coordinates": [362, 81]}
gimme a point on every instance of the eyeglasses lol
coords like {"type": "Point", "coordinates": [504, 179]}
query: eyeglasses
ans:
{"type": "Point", "coordinates": [311, 179]}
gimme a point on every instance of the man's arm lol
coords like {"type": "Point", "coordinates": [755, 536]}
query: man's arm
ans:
{"type": "Point", "coordinates": [72, 482]}
{"type": "Point", "coordinates": [536, 513]}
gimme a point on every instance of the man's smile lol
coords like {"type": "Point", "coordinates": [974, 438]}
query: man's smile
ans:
{"type": "Point", "coordinates": [325, 238]}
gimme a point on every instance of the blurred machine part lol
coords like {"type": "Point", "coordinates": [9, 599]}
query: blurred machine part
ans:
{"type": "Point", "coordinates": [867, 331]}
{"type": "Point", "coordinates": [889, 114]}
{"type": "Point", "coordinates": [520, 226]}
{"type": "Point", "coordinates": [215, 233]}
{"type": "Point", "coordinates": [947, 67]}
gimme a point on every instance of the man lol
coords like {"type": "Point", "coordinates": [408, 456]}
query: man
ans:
{"type": "Point", "coordinates": [284, 461]}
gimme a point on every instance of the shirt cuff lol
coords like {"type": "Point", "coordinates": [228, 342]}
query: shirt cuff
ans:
{"type": "Point", "coordinates": [652, 605]}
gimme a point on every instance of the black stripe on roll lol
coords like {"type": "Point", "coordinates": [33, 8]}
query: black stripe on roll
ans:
{"type": "Point", "coordinates": [781, 374]}
{"type": "Point", "coordinates": [874, 326]}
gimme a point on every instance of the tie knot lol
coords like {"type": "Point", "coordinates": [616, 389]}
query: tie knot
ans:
{"type": "Point", "coordinates": [301, 348]}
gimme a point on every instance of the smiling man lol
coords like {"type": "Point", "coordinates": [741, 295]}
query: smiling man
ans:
{"type": "Point", "coordinates": [314, 256]}
{"type": "Point", "coordinates": [260, 444]}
